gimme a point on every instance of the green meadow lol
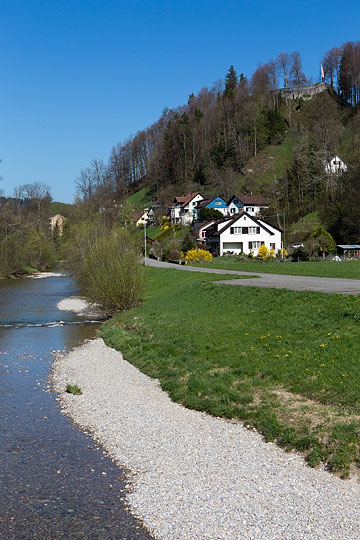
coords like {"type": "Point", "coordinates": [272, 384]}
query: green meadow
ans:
{"type": "Point", "coordinates": [339, 269]}
{"type": "Point", "coordinates": [285, 363]}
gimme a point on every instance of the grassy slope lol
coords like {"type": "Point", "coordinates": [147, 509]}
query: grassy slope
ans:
{"type": "Point", "coordinates": [142, 198]}
{"type": "Point", "coordinates": [305, 225]}
{"type": "Point", "coordinates": [343, 269]}
{"type": "Point", "coordinates": [285, 362]}
{"type": "Point", "coordinates": [272, 162]}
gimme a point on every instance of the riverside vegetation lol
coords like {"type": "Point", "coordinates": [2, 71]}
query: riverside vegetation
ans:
{"type": "Point", "coordinates": [283, 362]}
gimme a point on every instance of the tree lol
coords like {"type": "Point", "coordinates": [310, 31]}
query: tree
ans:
{"type": "Point", "coordinates": [231, 82]}
{"type": "Point", "coordinates": [297, 76]}
{"type": "Point", "coordinates": [331, 65]}
{"type": "Point", "coordinates": [283, 62]}
{"type": "Point", "coordinates": [208, 214]}
{"type": "Point", "coordinates": [320, 242]}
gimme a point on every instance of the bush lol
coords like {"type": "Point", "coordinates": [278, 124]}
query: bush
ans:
{"type": "Point", "coordinates": [111, 274]}
{"type": "Point", "coordinates": [198, 255]}
{"type": "Point", "coordinates": [263, 252]}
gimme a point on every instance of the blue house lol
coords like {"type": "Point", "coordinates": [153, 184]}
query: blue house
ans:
{"type": "Point", "coordinates": [215, 202]}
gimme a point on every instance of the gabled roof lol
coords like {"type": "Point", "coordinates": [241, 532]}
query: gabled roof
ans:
{"type": "Point", "coordinates": [238, 216]}
{"type": "Point", "coordinates": [139, 213]}
{"type": "Point", "coordinates": [203, 225]}
{"type": "Point", "coordinates": [205, 202]}
{"type": "Point", "coordinates": [257, 200]}
{"type": "Point", "coordinates": [184, 199]}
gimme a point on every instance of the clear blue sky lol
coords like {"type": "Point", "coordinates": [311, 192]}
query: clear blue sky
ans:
{"type": "Point", "coordinates": [79, 76]}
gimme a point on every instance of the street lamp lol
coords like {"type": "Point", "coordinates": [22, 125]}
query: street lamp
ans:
{"type": "Point", "coordinates": [145, 220]}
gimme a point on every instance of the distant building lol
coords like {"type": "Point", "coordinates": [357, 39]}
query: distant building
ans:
{"type": "Point", "coordinates": [304, 92]}
{"type": "Point", "coordinates": [252, 204]}
{"type": "Point", "coordinates": [183, 209]}
{"type": "Point", "coordinates": [57, 222]}
{"type": "Point", "coordinates": [335, 165]}
{"type": "Point", "coordinates": [215, 203]}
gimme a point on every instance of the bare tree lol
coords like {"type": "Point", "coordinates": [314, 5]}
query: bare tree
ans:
{"type": "Point", "coordinates": [331, 65]}
{"type": "Point", "coordinates": [297, 76]}
{"type": "Point", "coordinates": [283, 62]}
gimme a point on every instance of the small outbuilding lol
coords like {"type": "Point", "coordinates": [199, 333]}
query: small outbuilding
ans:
{"type": "Point", "coordinates": [349, 251]}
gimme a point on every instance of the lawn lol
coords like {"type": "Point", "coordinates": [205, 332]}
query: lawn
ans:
{"type": "Point", "coordinates": [284, 362]}
{"type": "Point", "coordinates": [342, 269]}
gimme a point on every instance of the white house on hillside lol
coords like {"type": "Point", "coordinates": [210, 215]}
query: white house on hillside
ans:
{"type": "Point", "coordinates": [252, 204]}
{"type": "Point", "coordinates": [183, 209]}
{"type": "Point", "coordinates": [335, 166]}
{"type": "Point", "coordinates": [243, 234]}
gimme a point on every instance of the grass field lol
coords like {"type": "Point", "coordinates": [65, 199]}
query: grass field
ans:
{"type": "Point", "coordinates": [142, 198]}
{"type": "Point", "coordinates": [284, 362]}
{"type": "Point", "coordinates": [342, 269]}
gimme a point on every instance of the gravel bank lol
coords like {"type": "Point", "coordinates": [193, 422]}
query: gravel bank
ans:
{"type": "Point", "coordinates": [198, 477]}
{"type": "Point", "coordinates": [81, 307]}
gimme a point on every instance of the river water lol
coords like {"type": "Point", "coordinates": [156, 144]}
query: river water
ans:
{"type": "Point", "coordinates": [55, 483]}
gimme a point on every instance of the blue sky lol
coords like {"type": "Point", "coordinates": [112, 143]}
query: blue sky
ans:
{"type": "Point", "coordinates": [79, 76]}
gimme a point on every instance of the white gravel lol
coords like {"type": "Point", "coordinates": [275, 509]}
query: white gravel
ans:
{"type": "Point", "coordinates": [195, 476]}
{"type": "Point", "coordinates": [81, 307]}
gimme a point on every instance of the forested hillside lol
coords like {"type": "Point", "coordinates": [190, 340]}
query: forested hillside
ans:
{"type": "Point", "coordinates": [241, 135]}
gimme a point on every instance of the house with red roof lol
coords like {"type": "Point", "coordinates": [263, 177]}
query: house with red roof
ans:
{"type": "Point", "coordinates": [183, 209]}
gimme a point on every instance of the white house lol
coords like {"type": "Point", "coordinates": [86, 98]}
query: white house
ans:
{"type": "Point", "coordinates": [183, 209]}
{"type": "Point", "coordinates": [244, 234]}
{"type": "Point", "coordinates": [140, 217]}
{"type": "Point", "coordinates": [252, 204]}
{"type": "Point", "coordinates": [335, 166]}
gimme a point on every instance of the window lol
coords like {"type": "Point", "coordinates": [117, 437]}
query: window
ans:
{"type": "Point", "coordinates": [232, 210]}
{"type": "Point", "coordinates": [203, 234]}
{"type": "Point", "coordinates": [218, 203]}
{"type": "Point", "coordinates": [252, 230]}
{"type": "Point", "coordinates": [254, 245]}
{"type": "Point", "coordinates": [249, 208]}
{"type": "Point", "coordinates": [272, 246]}
{"type": "Point", "coordinates": [237, 230]}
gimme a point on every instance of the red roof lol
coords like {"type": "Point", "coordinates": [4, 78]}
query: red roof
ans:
{"type": "Point", "coordinates": [185, 199]}
{"type": "Point", "coordinates": [257, 200]}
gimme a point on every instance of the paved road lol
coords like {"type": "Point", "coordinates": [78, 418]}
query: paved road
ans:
{"type": "Point", "coordinates": [274, 281]}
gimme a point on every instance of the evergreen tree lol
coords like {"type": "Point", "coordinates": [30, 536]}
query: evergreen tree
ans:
{"type": "Point", "coordinates": [231, 81]}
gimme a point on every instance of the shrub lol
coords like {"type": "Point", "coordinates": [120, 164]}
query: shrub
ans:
{"type": "Point", "coordinates": [188, 242]}
{"type": "Point", "coordinates": [198, 255]}
{"type": "Point", "coordinates": [111, 273]}
{"type": "Point", "coordinates": [263, 252]}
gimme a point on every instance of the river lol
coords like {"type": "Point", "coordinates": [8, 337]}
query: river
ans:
{"type": "Point", "coordinates": [56, 483]}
